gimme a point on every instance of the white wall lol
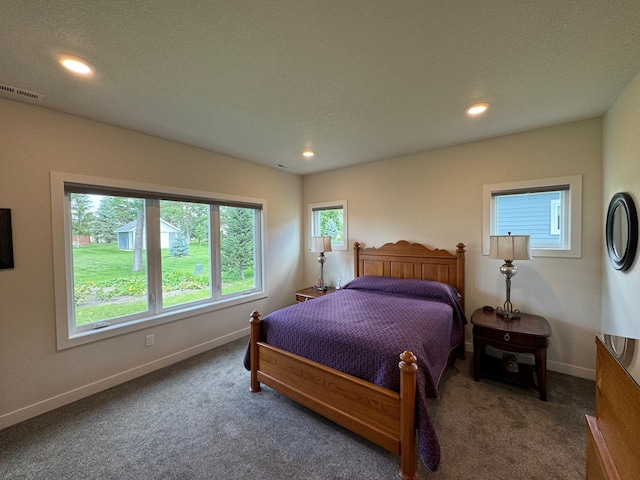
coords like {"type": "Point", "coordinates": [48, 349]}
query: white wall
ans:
{"type": "Point", "coordinates": [432, 198]}
{"type": "Point", "coordinates": [34, 376]}
{"type": "Point", "coordinates": [435, 198]}
{"type": "Point", "coordinates": [621, 167]}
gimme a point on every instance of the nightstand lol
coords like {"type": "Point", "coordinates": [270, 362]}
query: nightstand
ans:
{"type": "Point", "coordinates": [527, 334]}
{"type": "Point", "coordinates": [311, 293]}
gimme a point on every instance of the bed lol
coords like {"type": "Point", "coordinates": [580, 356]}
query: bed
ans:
{"type": "Point", "coordinates": [392, 331]}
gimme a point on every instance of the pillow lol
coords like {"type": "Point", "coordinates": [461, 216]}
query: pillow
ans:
{"type": "Point", "coordinates": [407, 286]}
{"type": "Point", "coordinates": [427, 289]}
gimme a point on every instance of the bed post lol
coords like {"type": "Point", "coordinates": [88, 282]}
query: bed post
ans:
{"type": "Point", "coordinates": [408, 369]}
{"type": "Point", "coordinates": [356, 260]}
{"type": "Point", "coordinates": [253, 350]}
{"type": "Point", "coordinates": [460, 271]}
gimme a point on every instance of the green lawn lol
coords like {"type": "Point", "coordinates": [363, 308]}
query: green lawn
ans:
{"type": "Point", "coordinates": [95, 263]}
{"type": "Point", "coordinates": [105, 286]}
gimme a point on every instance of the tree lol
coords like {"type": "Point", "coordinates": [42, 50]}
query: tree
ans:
{"type": "Point", "coordinates": [200, 224]}
{"type": "Point", "coordinates": [139, 235]}
{"type": "Point", "coordinates": [113, 212]}
{"type": "Point", "coordinates": [331, 229]}
{"type": "Point", "coordinates": [236, 239]}
{"type": "Point", "coordinates": [82, 217]}
{"type": "Point", "coordinates": [191, 218]}
{"type": "Point", "coordinates": [180, 246]}
{"type": "Point", "coordinates": [331, 223]}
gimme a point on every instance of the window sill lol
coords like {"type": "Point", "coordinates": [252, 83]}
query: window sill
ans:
{"type": "Point", "coordinates": [81, 338]}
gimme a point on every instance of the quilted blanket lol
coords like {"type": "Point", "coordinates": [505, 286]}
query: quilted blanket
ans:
{"type": "Point", "coordinates": [364, 327]}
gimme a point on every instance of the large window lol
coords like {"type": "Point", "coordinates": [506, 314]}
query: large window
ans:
{"type": "Point", "coordinates": [548, 210]}
{"type": "Point", "coordinates": [330, 218]}
{"type": "Point", "coordinates": [134, 255]}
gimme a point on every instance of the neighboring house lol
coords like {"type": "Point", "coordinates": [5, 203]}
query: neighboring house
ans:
{"type": "Point", "coordinates": [127, 234]}
{"type": "Point", "coordinates": [542, 219]}
{"type": "Point", "coordinates": [81, 240]}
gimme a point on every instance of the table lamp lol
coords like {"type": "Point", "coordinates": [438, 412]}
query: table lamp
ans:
{"type": "Point", "coordinates": [509, 248]}
{"type": "Point", "coordinates": [321, 244]}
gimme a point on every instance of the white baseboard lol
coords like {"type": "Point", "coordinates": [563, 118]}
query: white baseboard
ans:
{"type": "Point", "coordinates": [588, 373]}
{"type": "Point", "coordinates": [581, 372]}
{"type": "Point", "coordinates": [62, 399]}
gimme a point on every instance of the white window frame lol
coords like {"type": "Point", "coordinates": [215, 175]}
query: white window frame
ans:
{"type": "Point", "coordinates": [573, 216]}
{"type": "Point", "coordinates": [313, 223]}
{"type": "Point", "coordinates": [555, 218]}
{"type": "Point", "coordinates": [66, 333]}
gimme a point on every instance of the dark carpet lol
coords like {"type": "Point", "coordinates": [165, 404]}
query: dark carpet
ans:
{"type": "Point", "coordinates": [197, 420]}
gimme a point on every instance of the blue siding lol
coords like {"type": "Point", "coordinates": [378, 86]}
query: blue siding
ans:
{"type": "Point", "coordinates": [527, 214]}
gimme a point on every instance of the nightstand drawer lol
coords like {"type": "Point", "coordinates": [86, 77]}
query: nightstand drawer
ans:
{"type": "Point", "coordinates": [507, 337]}
{"type": "Point", "coordinates": [311, 293]}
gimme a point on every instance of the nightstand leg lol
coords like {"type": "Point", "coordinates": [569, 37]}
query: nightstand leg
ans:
{"type": "Point", "coordinates": [541, 367]}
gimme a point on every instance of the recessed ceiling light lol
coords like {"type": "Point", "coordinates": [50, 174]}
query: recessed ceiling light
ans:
{"type": "Point", "coordinates": [477, 109]}
{"type": "Point", "coordinates": [76, 65]}
{"type": "Point", "coordinates": [308, 153]}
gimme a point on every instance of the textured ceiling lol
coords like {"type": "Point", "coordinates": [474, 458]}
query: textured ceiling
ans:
{"type": "Point", "coordinates": [355, 80]}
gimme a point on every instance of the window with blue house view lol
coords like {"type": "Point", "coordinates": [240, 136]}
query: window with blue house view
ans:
{"type": "Point", "coordinates": [538, 214]}
{"type": "Point", "coordinates": [549, 210]}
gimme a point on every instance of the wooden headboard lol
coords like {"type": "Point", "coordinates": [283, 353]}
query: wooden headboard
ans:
{"type": "Point", "coordinates": [412, 260]}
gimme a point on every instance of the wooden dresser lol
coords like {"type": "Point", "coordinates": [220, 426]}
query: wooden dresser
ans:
{"type": "Point", "coordinates": [613, 435]}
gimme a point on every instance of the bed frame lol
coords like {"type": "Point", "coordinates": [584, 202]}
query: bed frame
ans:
{"type": "Point", "coordinates": [375, 413]}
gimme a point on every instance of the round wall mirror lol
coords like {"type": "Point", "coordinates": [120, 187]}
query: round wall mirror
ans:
{"type": "Point", "coordinates": [622, 231]}
{"type": "Point", "coordinates": [621, 348]}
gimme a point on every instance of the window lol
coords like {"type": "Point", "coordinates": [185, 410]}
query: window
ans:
{"type": "Point", "coordinates": [130, 256]}
{"type": "Point", "coordinates": [548, 210]}
{"type": "Point", "coordinates": [330, 218]}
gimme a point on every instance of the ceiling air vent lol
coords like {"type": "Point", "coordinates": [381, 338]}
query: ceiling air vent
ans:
{"type": "Point", "coordinates": [8, 90]}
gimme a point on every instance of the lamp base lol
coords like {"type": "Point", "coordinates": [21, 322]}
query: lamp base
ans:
{"type": "Point", "coordinates": [508, 314]}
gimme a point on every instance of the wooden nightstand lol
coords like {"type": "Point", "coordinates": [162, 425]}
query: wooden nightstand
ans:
{"type": "Point", "coordinates": [527, 334]}
{"type": "Point", "coordinates": [311, 293]}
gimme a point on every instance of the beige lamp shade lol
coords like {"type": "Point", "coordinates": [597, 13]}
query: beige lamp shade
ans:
{"type": "Point", "coordinates": [321, 244]}
{"type": "Point", "coordinates": [510, 247]}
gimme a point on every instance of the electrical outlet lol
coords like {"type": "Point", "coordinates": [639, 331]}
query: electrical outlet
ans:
{"type": "Point", "coordinates": [149, 340]}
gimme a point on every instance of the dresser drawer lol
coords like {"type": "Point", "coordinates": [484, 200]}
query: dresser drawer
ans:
{"type": "Point", "coordinates": [600, 465]}
{"type": "Point", "coordinates": [510, 338]}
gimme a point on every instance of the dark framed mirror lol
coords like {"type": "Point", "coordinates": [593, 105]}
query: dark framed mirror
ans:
{"type": "Point", "coordinates": [622, 231]}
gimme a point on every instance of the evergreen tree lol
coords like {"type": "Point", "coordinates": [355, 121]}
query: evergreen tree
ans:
{"type": "Point", "coordinates": [331, 229]}
{"type": "Point", "coordinates": [180, 247]}
{"type": "Point", "coordinates": [82, 217]}
{"type": "Point", "coordinates": [331, 223]}
{"type": "Point", "coordinates": [237, 239]}
{"type": "Point", "coordinates": [113, 212]}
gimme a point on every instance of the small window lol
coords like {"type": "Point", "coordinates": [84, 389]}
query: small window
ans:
{"type": "Point", "coordinates": [330, 219]}
{"type": "Point", "coordinates": [547, 210]}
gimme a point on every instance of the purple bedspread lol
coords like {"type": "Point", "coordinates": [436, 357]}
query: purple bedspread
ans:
{"type": "Point", "coordinates": [363, 328]}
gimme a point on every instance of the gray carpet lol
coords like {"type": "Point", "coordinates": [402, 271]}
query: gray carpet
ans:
{"type": "Point", "coordinates": [197, 420]}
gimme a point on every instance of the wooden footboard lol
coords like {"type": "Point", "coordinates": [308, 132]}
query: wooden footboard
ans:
{"type": "Point", "coordinates": [375, 413]}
